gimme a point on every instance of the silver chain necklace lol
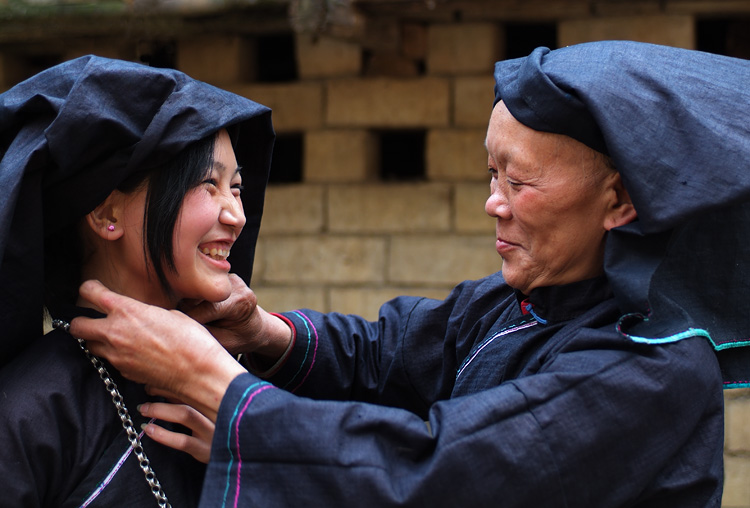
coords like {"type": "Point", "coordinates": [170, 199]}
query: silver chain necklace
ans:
{"type": "Point", "coordinates": [122, 412]}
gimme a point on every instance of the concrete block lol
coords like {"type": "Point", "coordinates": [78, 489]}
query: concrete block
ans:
{"type": "Point", "coordinates": [736, 415]}
{"type": "Point", "coordinates": [285, 298]}
{"type": "Point", "coordinates": [296, 106]}
{"type": "Point", "coordinates": [293, 209]}
{"type": "Point", "coordinates": [423, 259]}
{"type": "Point", "coordinates": [736, 486]}
{"type": "Point", "coordinates": [13, 70]}
{"type": "Point", "coordinates": [216, 59]}
{"type": "Point", "coordinates": [456, 155]}
{"type": "Point", "coordinates": [470, 216]}
{"type": "Point", "coordinates": [414, 40]}
{"type": "Point", "coordinates": [390, 64]}
{"type": "Point", "coordinates": [366, 301]}
{"type": "Point", "coordinates": [388, 103]}
{"type": "Point", "coordinates": [107, 48]}
{"type": "Point", "coordinates": [670, 30]}
{"type": "Point", "coordinates": [324, 259]}
{"type": "Point", "coordinates": [389, 208]}
{"type": "Point", "coordinates": [382, 34]}
{"type": "Point", "coordinates": [463, 48]}
{"type": "Point", "coordinates": [324, 57]}
{"type": "Point", "coordinates": [472, 101]}
{"type": "Point", "coordinates": [349, 155]}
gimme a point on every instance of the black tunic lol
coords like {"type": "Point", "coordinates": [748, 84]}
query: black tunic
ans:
{"type": "Point", "coordinates": [63, 443]}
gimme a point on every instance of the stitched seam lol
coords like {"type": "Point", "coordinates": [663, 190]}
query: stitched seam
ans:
{"type": "Point", "coordinates": [237, 434]}
{"type": "Point", "coordinates": [229, 439]}
{"type": "Point", "coordinates": [115, 469]}
{"type": "Point", "coordinates": [305, 320]}
{"type": "Point", "coordinates": [504, 331]}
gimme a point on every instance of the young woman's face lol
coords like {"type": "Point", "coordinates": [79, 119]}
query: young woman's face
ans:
{"type": "Point", "coordinates": [210, 220]}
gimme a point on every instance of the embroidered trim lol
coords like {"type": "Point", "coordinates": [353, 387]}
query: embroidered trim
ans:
{"type": "Point", "coordinates": [536, 316]}
{"type": "Point", "coordinates": [729, 385]}
{"type": "Point", "coordinates": [308, 326]}
{"type": "Point", "coordinates": [729, 345]}
{"type": "Point", "coordinates": [690, 332]}
{"type": "Point", "coordinates": [261, 386]}
{"type": "Point", "coordinates": [505, 331]}
{"type": "Point", "coordinates": [115, 469]}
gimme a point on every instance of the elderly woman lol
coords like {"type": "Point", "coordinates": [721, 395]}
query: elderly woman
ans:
{"type": "Point", "coordinates": [581, 376]}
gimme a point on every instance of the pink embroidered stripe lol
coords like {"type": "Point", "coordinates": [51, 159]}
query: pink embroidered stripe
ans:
{"type": "Point", "coordinates": [237, 437]}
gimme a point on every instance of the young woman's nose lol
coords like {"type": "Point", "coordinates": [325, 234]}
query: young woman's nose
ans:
{"type": "Point", "coordinates": [232, 213]}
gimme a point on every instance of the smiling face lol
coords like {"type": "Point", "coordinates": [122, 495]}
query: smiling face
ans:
{"type": "Point", "coordinates": [554, 199]}
{"type": "Point", "coordinates": [209, 221]}
{"type": "Point", "coordinates": [211, 218]}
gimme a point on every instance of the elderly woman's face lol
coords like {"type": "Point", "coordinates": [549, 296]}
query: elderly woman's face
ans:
{"type": "Point", "coordinates": [551, 197]}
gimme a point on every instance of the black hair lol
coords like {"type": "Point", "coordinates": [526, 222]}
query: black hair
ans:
{"type": "Point", "coordinates": [167, 188]}
{"type": "Point", "coordinates": [167, 184]}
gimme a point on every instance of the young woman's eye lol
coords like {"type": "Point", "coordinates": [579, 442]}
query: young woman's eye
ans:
{"type": "Point", "coordinates": [210, 181]}
{"type": "Point", "coordinates": [238, 188]}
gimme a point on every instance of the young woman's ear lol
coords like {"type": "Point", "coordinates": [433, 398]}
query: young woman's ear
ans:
{"type": "Point", "coordinates": [103, 219]}
{"type": "Point", "coordinates": [621, 210]}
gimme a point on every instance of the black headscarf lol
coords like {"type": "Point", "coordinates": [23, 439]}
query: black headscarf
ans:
{"type": "Point", "coordinates": [73, 133]}
{"type": "Point", "coordinates": [677, 125]}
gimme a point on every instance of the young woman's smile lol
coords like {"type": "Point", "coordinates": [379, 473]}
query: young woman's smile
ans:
{"type": "Point", "coordinates": [210, 220]}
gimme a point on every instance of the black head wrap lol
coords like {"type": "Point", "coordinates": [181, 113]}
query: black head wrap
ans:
{"type": "Point", "coordinates": [73, 133]}
{"type": "Point", "coordinates": [677, 126]}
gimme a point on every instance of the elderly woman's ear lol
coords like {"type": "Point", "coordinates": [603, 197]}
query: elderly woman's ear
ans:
{"type": "Point", "coordinates": [620, 208]}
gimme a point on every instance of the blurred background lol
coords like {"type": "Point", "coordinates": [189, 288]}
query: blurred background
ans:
{"type": "Point", "coordinates": [380, 107]}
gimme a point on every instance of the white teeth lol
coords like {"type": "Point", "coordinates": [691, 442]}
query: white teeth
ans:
{"type": "Point", "coordinates": [220, 254]}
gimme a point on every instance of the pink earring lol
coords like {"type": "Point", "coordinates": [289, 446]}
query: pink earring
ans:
{"type": "Point", "coordinates": [111, 227]}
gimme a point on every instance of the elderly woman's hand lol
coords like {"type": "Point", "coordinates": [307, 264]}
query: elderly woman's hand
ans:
{"type": "Point", "coordinates": [175, 356]}
{"type": "Point", "coordinates": [240, 325]}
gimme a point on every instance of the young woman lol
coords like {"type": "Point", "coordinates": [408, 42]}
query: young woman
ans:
{"type": "Point", "coordinates": [144, 177]}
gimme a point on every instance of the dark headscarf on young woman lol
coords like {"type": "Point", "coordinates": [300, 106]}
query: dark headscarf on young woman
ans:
{"type": "Point", "coordinates": [676, 124]}
{"type": "Point", "coordinates": [73, 133]}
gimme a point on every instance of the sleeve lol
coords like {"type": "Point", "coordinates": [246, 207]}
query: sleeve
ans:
{"type": "Point", "coordinates": [387, 362]}
{"type": "Point", "coordinates": [600, 425]}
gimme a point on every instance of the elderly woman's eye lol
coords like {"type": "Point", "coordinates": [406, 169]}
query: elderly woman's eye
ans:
{"type": "Point", "coordinates": [513, 183]}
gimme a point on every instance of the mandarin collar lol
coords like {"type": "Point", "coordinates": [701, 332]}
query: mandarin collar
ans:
{"type": "Point", "coordinates": [553, 304]}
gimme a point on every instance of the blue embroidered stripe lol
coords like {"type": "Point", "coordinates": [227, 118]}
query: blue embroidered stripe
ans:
{"type": "Point", "coordinates": [690, 332]}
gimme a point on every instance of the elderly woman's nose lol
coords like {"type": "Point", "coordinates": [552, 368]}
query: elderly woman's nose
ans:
{"type": "Point", "coordinates": [497, 205]}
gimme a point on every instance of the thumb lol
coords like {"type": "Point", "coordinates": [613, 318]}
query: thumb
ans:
{"type": "Point", "coordinates": [101, 297]}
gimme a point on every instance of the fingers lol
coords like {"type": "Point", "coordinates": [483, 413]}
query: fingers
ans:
{"type": "Point", "coordinates": [105, 300]}
{"type": "Point", "coordinates": [205, 312]}
{"type": "Point", "coordinates": [198, 444]}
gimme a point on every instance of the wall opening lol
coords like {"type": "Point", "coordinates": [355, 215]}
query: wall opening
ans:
{"type": "Point", "coordinates": [402, 155]}
{"type": "Point", "coordinates": [723, 36]}
{"type": "Point", "coordinates": [286, 165]}
{"type": "Point", "coordinates": [522, 38]}
{"type": "Point", "coordinates": [277, 61]}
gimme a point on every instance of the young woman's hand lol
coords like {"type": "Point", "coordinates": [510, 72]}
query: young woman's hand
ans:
{"type": "Point", "coordinates": [197, 444]}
